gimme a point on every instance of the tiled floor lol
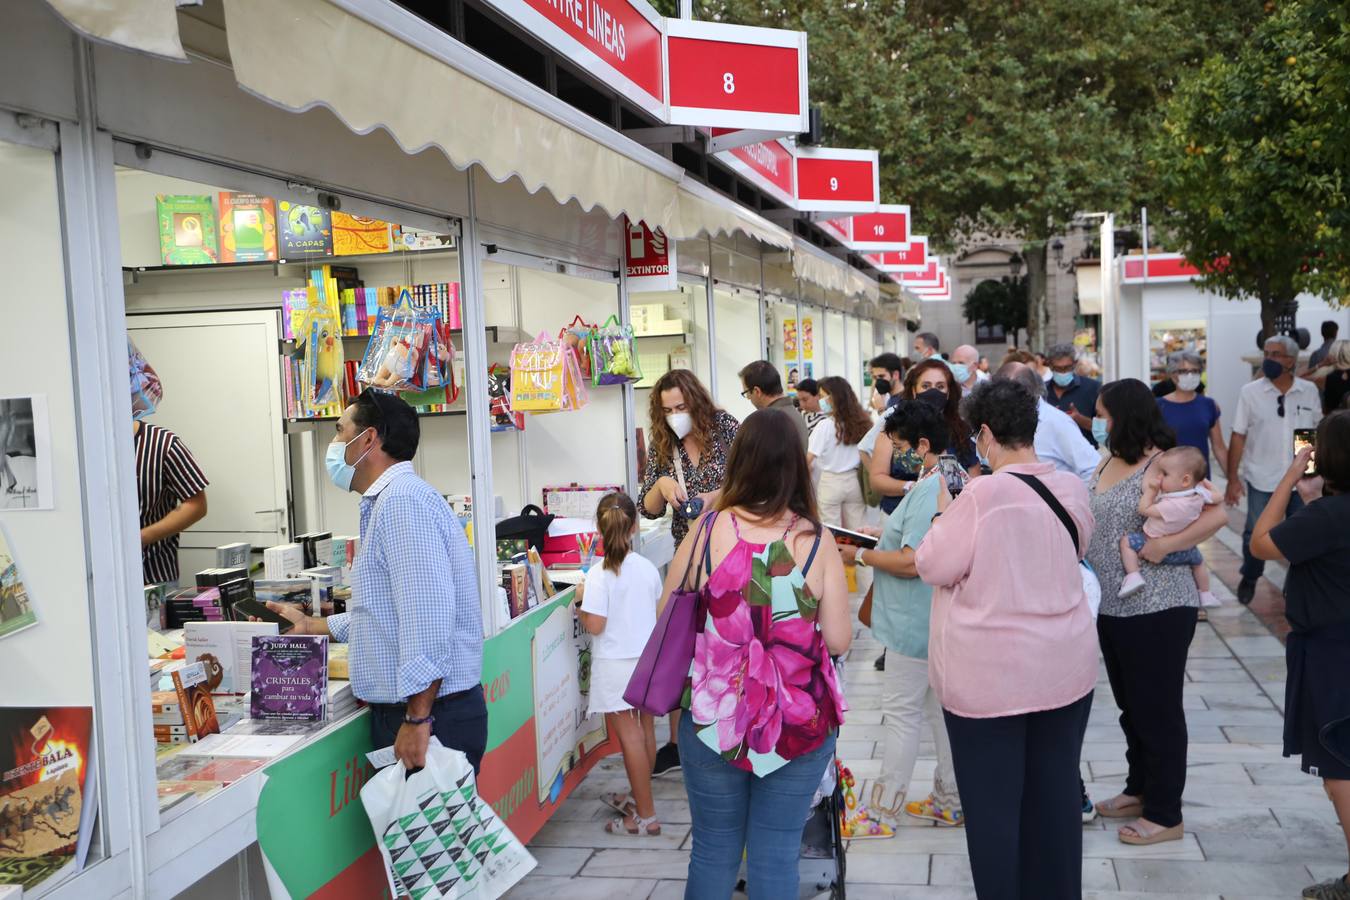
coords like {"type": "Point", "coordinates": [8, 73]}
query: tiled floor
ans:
{"type": "Point", "coordinates": [1258, 828]}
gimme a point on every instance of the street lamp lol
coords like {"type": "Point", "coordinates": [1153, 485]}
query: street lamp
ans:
{"type": "Point", "coordinates": [1057, 248]}
{"type": "Point", "coordinates": [1015, 264]}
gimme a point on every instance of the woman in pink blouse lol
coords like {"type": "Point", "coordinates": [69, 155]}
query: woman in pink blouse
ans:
{"type": "Point", "coordinates": [1012, 652]}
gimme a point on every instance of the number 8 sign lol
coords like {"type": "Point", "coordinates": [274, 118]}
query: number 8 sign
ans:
{"type": "Point", "coordinates": [736, 76]}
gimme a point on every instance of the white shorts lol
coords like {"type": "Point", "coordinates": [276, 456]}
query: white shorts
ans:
{"type": "Point", "coordinates": [609, 679]}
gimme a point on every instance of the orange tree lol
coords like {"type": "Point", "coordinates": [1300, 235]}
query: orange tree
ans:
{"type": "Point", "coordinates": [1251, 161]}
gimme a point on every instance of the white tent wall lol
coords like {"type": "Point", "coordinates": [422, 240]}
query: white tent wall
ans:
{"type": "Point", "coordinates": [1229, 324]}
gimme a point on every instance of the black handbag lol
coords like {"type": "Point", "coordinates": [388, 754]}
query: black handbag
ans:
{"type": "Point", "coordinates": [531, 525]}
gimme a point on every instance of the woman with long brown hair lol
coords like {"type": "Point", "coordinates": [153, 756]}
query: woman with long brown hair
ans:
{"type": "Point", "coordinates": [764, 701]}
{"type": "Point", "coordinates": [688, 440]}
{"type": "Point", "coordinates": [932, 382]}
{"type": "Point", "coordinates": [833, 449]}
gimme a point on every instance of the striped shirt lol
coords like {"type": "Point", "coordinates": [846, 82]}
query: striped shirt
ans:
{"type": "Point", "coordinates": [414, 616]}
{"type": "Point", "coordinates": [166, 475]}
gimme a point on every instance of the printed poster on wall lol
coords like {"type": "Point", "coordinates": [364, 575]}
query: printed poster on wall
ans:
{"type": "Point", "coordinates": [16, 610]}
{"type": "Point", "coordinates": [25, 454]}
{"type": "Point", "coordinates": [563, 731]}
{"type": "Point", "coordinates": [808, 340]}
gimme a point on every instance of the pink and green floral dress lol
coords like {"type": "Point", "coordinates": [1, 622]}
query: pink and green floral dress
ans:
{"type": "Point", "coordinates": [762, 688]}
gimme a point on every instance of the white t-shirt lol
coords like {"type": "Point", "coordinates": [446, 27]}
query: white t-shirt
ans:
{"type": "Point", "coordinates": [1270, 436]}
{"type": "Point", "coordinates": [831, 455]}
{"type": "Point", "coordinates": [628, 603]}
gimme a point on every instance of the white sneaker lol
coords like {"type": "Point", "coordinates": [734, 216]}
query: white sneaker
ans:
{"type": "Point", "coordinates": [1133, 584]}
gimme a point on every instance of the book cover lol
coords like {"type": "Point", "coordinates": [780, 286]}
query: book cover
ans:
{"type": "Point", "coordinates": [356, 235]}
{"type": "Point", "coordinates": [290, 678]}
{"type": "Point", "coordinates": [283, 561]}
{"type": "Point", "coordinates": [248, 227]}
{"type": "Point", "coordinates": [304, 231]}
{"type": "Point", "coordinates": [516, 580]}
{"type": "Point", "coordinates": [187, 229]}
{"type": "Point", "coordinates": [194, 698]}
{"type": "Point", "coordinates": [45, 754]}
{"type": "Point", "coordinates": [234, 556]}
{"type": "Point", "coordinates": [226, 650]}
{"type": "Point", "coordinates": [299, 591]}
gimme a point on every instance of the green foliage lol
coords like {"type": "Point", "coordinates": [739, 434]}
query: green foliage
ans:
{"type": "Point", "coordinates": [998, 303]}
{"type": "Point", "coordinates": [1252, 160]}
{"type": "Point", "coordinates": [1000, 116]}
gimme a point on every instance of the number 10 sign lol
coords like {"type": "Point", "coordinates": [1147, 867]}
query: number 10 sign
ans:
{"type": "Point", "coordinates": [736, 76]}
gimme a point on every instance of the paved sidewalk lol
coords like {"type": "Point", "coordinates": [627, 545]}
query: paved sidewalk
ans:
{"type": "Point", "coordinates": [1258, 828]}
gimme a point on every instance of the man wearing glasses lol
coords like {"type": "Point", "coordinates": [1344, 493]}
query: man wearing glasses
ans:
{"type": "Point", "coordinates": [1262, 449]}
{"type": "Point", "coordinates": [1070, 392]}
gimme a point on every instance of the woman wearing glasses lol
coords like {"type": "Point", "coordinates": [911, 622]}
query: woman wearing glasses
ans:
{"type": "Point", "coordinates": [1192, 415]}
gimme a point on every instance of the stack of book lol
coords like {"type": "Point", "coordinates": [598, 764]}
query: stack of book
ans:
{"type": "Point", "coordinates": [283, 561]}
{"type": "Point", "coordinates": [341, 700]}
{"type": "Point", "coordinates": [193, 605]}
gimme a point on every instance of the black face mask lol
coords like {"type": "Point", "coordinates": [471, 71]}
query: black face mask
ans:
{"type": "Point", "coordinates": [883, 386]}
{"type": "Point", "coordinates": [934, 398]}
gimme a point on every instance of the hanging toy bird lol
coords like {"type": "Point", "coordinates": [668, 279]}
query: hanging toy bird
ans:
{"type": "Point", "coordinates": [327, 365]}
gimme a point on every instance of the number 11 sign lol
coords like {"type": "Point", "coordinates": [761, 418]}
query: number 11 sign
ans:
{"type": "Point", "coordinates": [736, 76]}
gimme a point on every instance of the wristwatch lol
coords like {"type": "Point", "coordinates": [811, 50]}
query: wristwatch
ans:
{"type": "Point", "coordinates": [857, 556]}
{"type": "Point", "coordinates": [418, 720]}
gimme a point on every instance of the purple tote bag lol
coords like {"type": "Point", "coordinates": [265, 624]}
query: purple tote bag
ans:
{"type": "Point", "coordinates": [658, 681]}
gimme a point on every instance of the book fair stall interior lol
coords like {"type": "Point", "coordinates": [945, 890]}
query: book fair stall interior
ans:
{"type": "Point", "coordinates": [254, 261]}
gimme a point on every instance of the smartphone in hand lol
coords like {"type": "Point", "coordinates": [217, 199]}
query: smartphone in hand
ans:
{"type": "Point", "coordinates": [251, 608]}
{"type": "Point", "coordinates": [1306, 437]}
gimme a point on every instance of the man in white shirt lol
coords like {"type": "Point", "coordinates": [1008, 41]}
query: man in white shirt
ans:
{"type": "Point", "coordinates": [965, 366]}
{"type": "Point", "coordinates": [1262, 448]}
{"type": "Point", "coordinates": [1058, 438]}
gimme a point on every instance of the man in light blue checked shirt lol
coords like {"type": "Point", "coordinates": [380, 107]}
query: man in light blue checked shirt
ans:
{"type": "Point", "coordinates": [414, 623]}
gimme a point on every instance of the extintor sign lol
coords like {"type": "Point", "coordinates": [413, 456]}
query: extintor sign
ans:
{"type": "Point", "coordinates": [649, 259]}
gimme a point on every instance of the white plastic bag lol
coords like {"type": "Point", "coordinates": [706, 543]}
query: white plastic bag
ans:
{"type": "Point", "coordinates": [437, 836]}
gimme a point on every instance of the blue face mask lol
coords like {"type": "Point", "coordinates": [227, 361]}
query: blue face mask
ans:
{"type": "Point", "coordinates": [983, 460]}
{"type": "Point", "coordinates": [825, 406]}
{"type": "Point", "coordinates": [335, 460]}
{"type": "Point", "coordinates": [1272, 369]}
{"type": "Point", "coordinates": [960, 372]}
{"type": "Point", "coordinates": [1063, 379]}
{"type": "Point", "coordinates": [1101, 430]}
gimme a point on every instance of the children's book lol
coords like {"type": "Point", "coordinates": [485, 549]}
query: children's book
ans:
{"type": "Point", "coordinates": [248, 227]}
{"type": "Point", "coordinates": [355, 235]}
{"type": "Point", "coordinates": [187, 229]}
{"type": "Point", "coordinates": [304, 231]}
{"type": "Point", "coordinates": [290, 678]}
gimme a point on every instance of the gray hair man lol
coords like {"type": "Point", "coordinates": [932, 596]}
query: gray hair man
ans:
{"type": "Point", "coordinates": [1058, 440]}
{"type": "Point", "coordinates": [1269, 410]}
{"type": "Point", "coordinates": [1070, 392]}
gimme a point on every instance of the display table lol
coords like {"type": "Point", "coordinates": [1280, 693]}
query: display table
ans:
{"type": "Point", "coordinates": [304, 807]}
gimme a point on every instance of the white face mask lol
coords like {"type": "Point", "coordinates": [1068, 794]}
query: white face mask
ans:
{"type": "Point", "coordinates": [680, 423]}
{"type": "Point", "coordinates": [1188, 381]}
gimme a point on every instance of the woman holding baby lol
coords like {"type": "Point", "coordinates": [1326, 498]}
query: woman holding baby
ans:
{"type": "Point", "coordinates": [1145, 625]}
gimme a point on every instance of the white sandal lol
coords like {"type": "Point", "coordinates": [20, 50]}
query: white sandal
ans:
{"type": "Point", "coordinates": [648, 827]}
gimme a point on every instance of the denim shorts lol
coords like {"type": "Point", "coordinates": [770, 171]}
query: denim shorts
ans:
{"type": "Point", "coordinates": [1191, 557]}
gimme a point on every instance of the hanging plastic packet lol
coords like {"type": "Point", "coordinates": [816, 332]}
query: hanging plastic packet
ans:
{"type": "Point", "coordinates": [577, 337]}
{"type": "Point", "coordinates": [613, 354]}
{"type": "Point", "coordinates": [395, 357]}
{"type": "Point", "coordinates": [320, 340]}
{"type": "Point", "coordinates": [504, 418]}
{"type": "Point", "coordinates": [146, 389]}
{"type": "Point", "coordinates": [440, 368]}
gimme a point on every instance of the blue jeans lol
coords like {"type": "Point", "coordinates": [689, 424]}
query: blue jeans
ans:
{"type": "Point", "coordinates": [736, 813]}
{"type": "Point", "coordinates": [1253, 568]}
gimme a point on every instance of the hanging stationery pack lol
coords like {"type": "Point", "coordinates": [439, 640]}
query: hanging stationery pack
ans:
{"type": "Point", "coordinates": [504, 418]}
{"type": "Point", "coordinates": [440, 364]}
{"type": "Point", "coordinates": [545, 377]}
{"type": "Point", "coordinates": [319, 342]}
{"type": "Point", "coordinates": [613, 354]}
{"type": "Point", "coordinates": [146, 390]}
{"type": "Point", "coordinates": [395, 358]}
{"type": "Point", "coordinates": [577, 337]}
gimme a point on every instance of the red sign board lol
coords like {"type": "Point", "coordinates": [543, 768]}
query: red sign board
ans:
{"type": "Point", "coordinates": [913, 258]}
{"type": "Point", "coordinates": [886, 229]}
{"type": "Point", "coordinates": [619, 41]}
{"type": "Point", "coordinates": [1171, 266]}
{"type": "Point", "coordinates": [768, 165]}
{"type": "Point", "coordinates": [922, 278]}
{"type": "Point", "coordinates": [736, 76]}
{"type": "Point", "coordinates": [830, 180]}
{"type": "Point", "coordinates": [649, 259]}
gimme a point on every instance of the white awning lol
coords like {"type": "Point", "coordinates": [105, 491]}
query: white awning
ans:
{"type": "Point", "coordinates": [1089, 277]}
{"type": "Point", "coordinates": [405, 84]}
{"type": "Point", "coordinates": [812, 264]}
{"type": "Point", "coordinates": [149, 26]}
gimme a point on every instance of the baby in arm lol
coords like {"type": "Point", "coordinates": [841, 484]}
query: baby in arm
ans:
{"type": "Point", "coordinates": [1173, 498]}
